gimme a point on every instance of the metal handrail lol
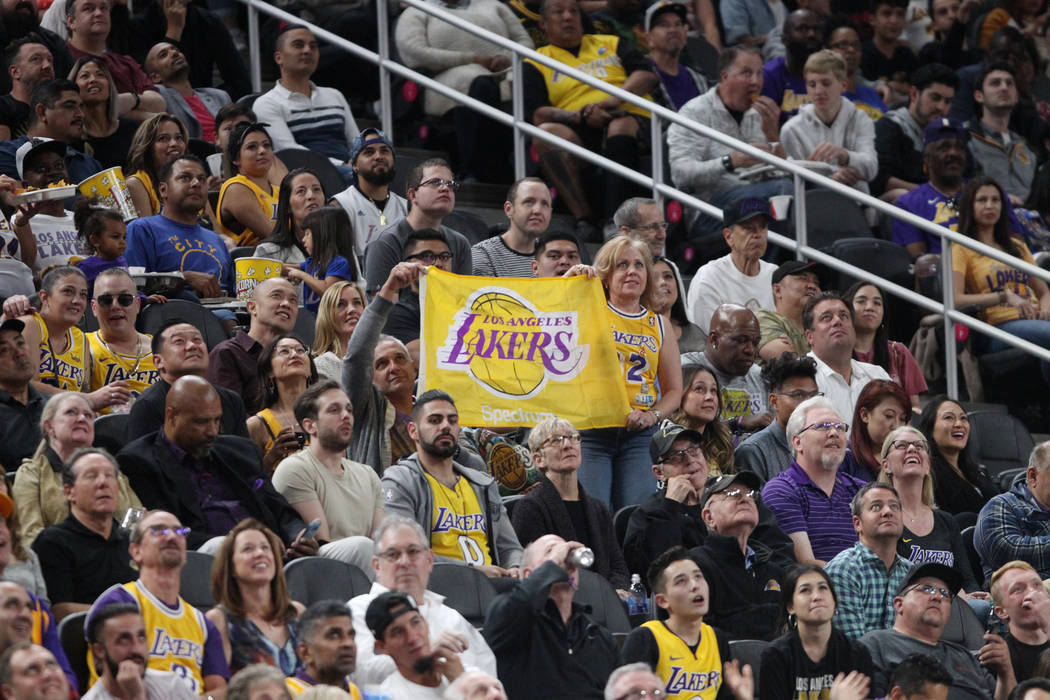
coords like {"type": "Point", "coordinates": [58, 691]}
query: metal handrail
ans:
{"type": "Point", "coordinates": [660, 114]}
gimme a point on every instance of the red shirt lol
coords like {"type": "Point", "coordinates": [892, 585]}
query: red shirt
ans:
{"type": "Point", "coordinates": [126, 72]}
{"type": "Point", "coordinates": [204, 117]}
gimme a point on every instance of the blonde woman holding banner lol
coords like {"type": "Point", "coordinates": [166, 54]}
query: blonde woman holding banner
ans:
{"type": "Point", "coordinates": [616, 466]}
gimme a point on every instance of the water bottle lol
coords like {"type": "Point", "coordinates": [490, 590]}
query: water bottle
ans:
{"type": "Point", "coordinates": [638, 603]}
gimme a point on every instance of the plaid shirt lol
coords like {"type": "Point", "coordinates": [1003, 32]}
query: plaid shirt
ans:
{"type": "Point", "coordinates": [1014, 525]}
{"type": "Point", "coordinates": [864, 589]}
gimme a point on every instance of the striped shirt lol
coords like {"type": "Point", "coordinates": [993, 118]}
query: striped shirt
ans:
{"type": "Point", "coordinates": [320, 121]}
{"type": "Point", "coordinates": [802, 506]}
{"type": "Point", "coordinates": [494, 258]}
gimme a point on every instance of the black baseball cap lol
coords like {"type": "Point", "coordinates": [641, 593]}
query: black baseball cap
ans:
{"type": "Point", "coordinates": [746, 209]}
{"type": "Point", "coordinates": [718, 484]}
{"type": "Point", "coordinates": [664, 437]}
{"type": "Point", "coordinates": [385, 608]}
{"type": "Point", "coordinates": [795, 267]}
{"type": "Point", "coordinates": [952, 579]}
{"type": "Point", "coordinates": [12, 324]}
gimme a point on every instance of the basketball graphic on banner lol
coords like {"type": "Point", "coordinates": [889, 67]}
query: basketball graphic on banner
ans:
{"type": "Point", "coordinates": [516, 377]}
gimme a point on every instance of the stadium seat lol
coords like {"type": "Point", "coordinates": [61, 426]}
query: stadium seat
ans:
{"type": "Point", "coordinates": [999, 442]}
{"type": "Point", "coordinates": [311, 579]}
{"type": "Point", "coordinates": [305, 326]}
{"type": "Point", "coordinates": [749, 652]}
{"type": "Point", "coordinates": [884, 259]}
{"type": "Point", "coordinates": [466, 590]}
{"type": "Point", "coordinates": [963, 626]}
{"type": "Point", "coordinates": [242, 251]}
{"type": "Point", "coordinates": [71, 636]}
{"type": "Point", "coordinates": [606, 607]}
{"type": "Point", "coordinates": [209, 325]}
{"type": "Point", "coordinates": [201, 148]}
{"type": "Point", "coordinates": [403, 164]}
{"type": "Point", "coordinates": [195, 582]}
{"type": "Point", "coordinates": [972, 555]}
{"type": "Point", "coordinates": [620, 521]}
{"type": "Point", "coordinates": [111, 431]}
{"type": "Point", "coordinates": [831, 217]}
{"type": "Point", "coordinates": [469, 224]}
{"type": "Point", "coordinates": [331, 181]}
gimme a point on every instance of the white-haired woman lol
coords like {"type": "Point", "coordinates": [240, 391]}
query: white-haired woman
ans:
{"type": "Point", "coordinates": [559, 505]}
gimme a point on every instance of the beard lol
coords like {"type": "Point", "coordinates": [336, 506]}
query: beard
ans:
{"type": "Point", "coordinates": [378, 179]}
{"type": "Point", "coordinates": [830, 461]}
{"type": "Point", "coordinates": [330, 441]}
{"type": "Point", "coordinates": [114, 665]}
{"type": "Point", "coordinates": [440, 451]}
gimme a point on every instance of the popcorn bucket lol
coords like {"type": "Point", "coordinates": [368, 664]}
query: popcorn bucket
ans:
{"type": "Point", "coordinates": [253, 271]}
{"type": "Point", "coordinates": [112, 192]}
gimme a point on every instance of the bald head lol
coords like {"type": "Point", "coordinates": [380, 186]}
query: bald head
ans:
{"type": "Point", "coordinates": [538, 551]}
{"type": "Point", "coordinates": [192, 412]}
{"type": "Point", "coordinates": [274, 306]}
{"type": "Point", "coordinates": [732, 342]}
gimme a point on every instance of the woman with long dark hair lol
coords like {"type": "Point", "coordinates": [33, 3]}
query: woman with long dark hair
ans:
{"type": "Point", "coordinates": [812, 658]}
{"type": "Point", "coordinates": [285, 370]}
{"type": "Point", "coordinates": [668, 292]}
{"type": "Point", "coordinates": [881, 407]}
{"type": "Point", "coordinates": [160, 139]}
{"type": "Point", "coordinates": [701, 410]}
{"type": "Point", "coordinates": [300, 193]}
{"type": "Point", "coordinates": [108, 134]}
{"type": "Point", "coordinates": [247, 201]}
{"type": "Point", "coordinates": [959, 486]}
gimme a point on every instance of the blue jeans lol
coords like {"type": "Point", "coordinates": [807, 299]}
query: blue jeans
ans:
{"type": "Point", "coordinates": [615, 466]}
{"type": "Point", "coordinates": [1032, 330]}
{"type": "Point", "coordinates": [763, 190]}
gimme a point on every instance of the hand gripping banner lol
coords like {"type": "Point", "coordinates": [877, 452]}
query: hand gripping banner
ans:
{"type": "Point", "coordinates": [513, 351]}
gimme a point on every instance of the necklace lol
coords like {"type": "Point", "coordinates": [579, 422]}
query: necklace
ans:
{"type": "Point", "coordinates": [375, 203]}
{"type": "Point", "coordinates": [138, 352]}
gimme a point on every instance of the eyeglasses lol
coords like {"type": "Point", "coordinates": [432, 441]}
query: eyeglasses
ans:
{"type": "Point", "coordinates": [827, 427]}
{"type": "Point", "coordinates": [737, 494]}
{"type": "Point", "coordinates": [799, 394]}
{"type": "Point", "coordinates": [654, 227]}
{"type": "Point", "coordinates": [655, 693]}
{"type": "Point", "coordinates": [557, 440]}
{"type": "Point", "coordinates": [932, 591]}
{"type": "Point", "coordinates": [391, 556]}
{"type": "Point", "coordinates": [429, 257]}
{"type": "Point", "coordinates": [437, 183]}
{"type": "Point", "coordinates": [165, 530]}
{"type": "Point", "coordinates": [920, 445]}
{"type": "Point", "coordinates": [106, 300]}
{"type": "Point", "coordinates": [680, 456]}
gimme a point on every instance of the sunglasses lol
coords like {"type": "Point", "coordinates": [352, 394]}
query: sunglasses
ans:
{"type": "Point", "coordinates": [106, 300]}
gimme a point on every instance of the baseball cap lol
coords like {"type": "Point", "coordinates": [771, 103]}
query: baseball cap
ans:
{"type": "Point", "coordinates": [34, 144]}
{"type": "Point", "coordinates": [795, 267]}
{"type": "Point", "coordinates": [718, 484]}
{"type": "Point", "coordinates": [368, 137]}
{"type": "Point", "coordinates": [943, 128]}
{"type": "Point", "coordinates": [664, 437]}
{"type": "Point", "coordinates": [746, 209]}
{"type": "Point", "coordinates": [952, 580]}
{"type": "Point", "coordinates": [385, 608]}
{"type": "Point", "coordinates": [658, 8]}
{"type": "Point", "coordinates": [12, 324]}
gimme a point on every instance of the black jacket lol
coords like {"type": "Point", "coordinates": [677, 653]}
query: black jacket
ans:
{"type": "Point", "coordinates": [537, 656]}
{"type": "Point", "coordinates": [160, 482]}
{"type": "Point", "coordinates": [745, 603]}
{"type": "Point", "coordinates": [542, 512]}
{"type": "Point", "coordinates": [660, 523]}
{"type": "Point", "coordinates": [147, 413]}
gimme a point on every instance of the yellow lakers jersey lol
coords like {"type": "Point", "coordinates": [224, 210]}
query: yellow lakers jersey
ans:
{"type": "Point", "coordinates": [597, 57]}
{"type": "Point", "coordinates": [108, 366]}
{"type": "Point", "coordinates": [685, 674]}
{"type": "Point", "coordinates": [296, 686]}
{"type": "Point", "coordinates": [267, 202]}
{"type": "Point", "coordinates": [273, 426]}
{"type": "Point", "coordinates": [64, 370]}
{"type": "Point", "coordinates": [176, 637]}
{"type": "Point", "coordinates": [457, 528]}
{"type": "Point", "coordinates": [638, 338]}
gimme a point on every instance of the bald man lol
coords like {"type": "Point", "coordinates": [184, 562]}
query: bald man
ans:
{"type": "Point", "coordinates": [234, 363]}
{"type": "Point", "coordinates": [210, 482]}
{"type": "Point", "coordinates": [732, 348]}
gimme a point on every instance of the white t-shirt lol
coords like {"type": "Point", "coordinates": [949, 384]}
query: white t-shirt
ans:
{"type": "Point", "coordinates": [15, 275]}
{"type": "Point", "coordinates": [396, 687]}
{"type": "Point", "coordinates": [719, 282]}
{"type": "Point", "coordinates": [844, 396]}
{"type": "Point", "coordinates": [56, 240]}
{"type": "Point", "coordinates": [160, 685]}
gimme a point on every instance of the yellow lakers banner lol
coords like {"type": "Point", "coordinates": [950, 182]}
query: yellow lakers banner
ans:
{"type": "Point", "coordinates": [513, 351]}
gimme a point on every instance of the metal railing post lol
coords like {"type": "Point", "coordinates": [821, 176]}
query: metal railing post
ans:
{"type": "Point", "coordinates": [253, 46]}
{"type": "Point", "coordinates": [386, 113]}
{"type": "Point", "coordinates": [656, 130]}
{"type": "Point", "coordinates": [518, 110]}
{"type": "Point", "coordinates": [951, 364]}
{"type": "Point", "coordinates": [798, 208]}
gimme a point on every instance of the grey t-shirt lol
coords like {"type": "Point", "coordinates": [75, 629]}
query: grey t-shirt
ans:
{"type": "Point", "coordinates": [741, 396]}
{"type": "Point", "coordinates": [970, 680]}
{"type": "Point", "coordinates": [386, 250]}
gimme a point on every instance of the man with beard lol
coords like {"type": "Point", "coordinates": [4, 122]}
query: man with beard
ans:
{"type": "Point", "coordinates": [828, 322]}
{"type": "Point", "coordinates": [169, 70]}
{"type": "Point", "coordinates": [29, 63]}
{"type": "Point", "coordinates": [210, 481]}
{"type": "Point", "coordinates": [20, 403]}
{"type": "Point", "coordinates": [783, 81]}
{"type": "Point", "coordinates": [812, 498]}
{"type": "Point", "coordinates": [1001, 152]}
{"type": "Point", "coordinates": [322, 484]}
{"type": "Point", "coordinates": [922, 605]}
{"type": "Point", "coordinates": [528, 209]}
{"type": "Point", "coordinates": [459, 507]}
{"type": "Point", "coordinates": [118, 636]}
{"type": "Point", "coordinates": [369, 202]}
{"type": "Point", "coordinates": [19, 18]}
{"type": "Point", "coordinates": [182, 639]}
{"type": "Point", "coordinates": [327, 646]}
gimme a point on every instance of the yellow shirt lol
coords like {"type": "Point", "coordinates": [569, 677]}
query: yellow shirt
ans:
{"type": "Point", "coordinates": [597, 57]}
{"type": "Point", "coordinates": [296, 686]}
{"type": "Point", "coordinates": [638, 338]}
{"type": "Point", "coordinates": [457, 530]}
{"type": "Point", "coordinates": [108, 366]}
{"type": "Point", "coordinates": [273, 426]}
{"type": "Point", "coordinates": [63, 370]}
{"type": "Point", "coordinates": [685, 673]}
{"type": "Point", "coordinates": [267, 202]}
{"type": "Point", "coordinates": [147, 182]}
{"type": "Point", "coordinates": [984, 275]}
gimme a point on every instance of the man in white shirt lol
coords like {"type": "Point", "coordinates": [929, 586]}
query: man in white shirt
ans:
{"type": "Point", "coordinates": [369, 202]}
{"type": "Point", "coordinates": [742, 277]}
{"type": "Point", "coordinates": [828, 324]}
{"type": "Point", "coordinates": [403, 562]}
{"type": "Point", "coordinates": [118, 636]}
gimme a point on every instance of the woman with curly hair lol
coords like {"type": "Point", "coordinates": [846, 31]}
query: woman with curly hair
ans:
{"type": "Point", "coordinates": [700, 410]}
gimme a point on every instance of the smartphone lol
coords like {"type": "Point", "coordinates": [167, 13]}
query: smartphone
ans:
{"type": "Point", "coordinates": [995, 624]}
{"type": "Point", "coordinates": [311, 529]}
{"type": "Point", "coordinates": [301, 439]}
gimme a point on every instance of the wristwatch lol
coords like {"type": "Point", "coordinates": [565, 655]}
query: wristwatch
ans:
{"type": "Point", "coordinates": [727, 163]}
